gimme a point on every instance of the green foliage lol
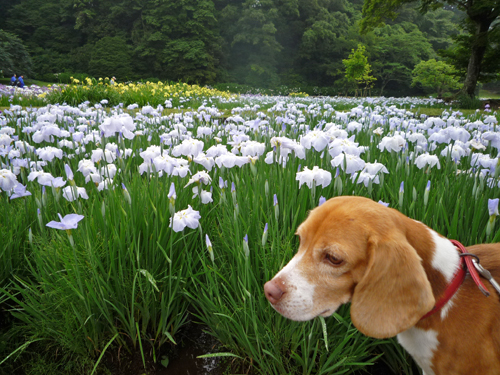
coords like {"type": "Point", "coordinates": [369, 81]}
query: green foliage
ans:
{"type": "Point", "coordinates": [435, 76]}
{"type": "Point", "coordinates": [467, 102]}
{"type": "Point", "coordinates": [265, 43]}
{"type": "Point", "coordinates": [357, 68]}
{"type": "Point", "coordinates": [283, 90]}
{"type": "Point", "coordinates": [47, 30]}
{"type": "Point", "coordinates": [458, 54]}
{"type": "Point", "coordinates": [477, 42]}
{"type": "Point", "coordinates": [326, 40]}
{"type": "Point", "coordinates": [111, 57]}
{"type": "Point", "coordinates": [398, 48]}
{"type": "Point", "coordinates": [14, 58]}
{"type": "Point", "coordinates": [182, 39]}
{"type": "Point", "coordinates": [254, 42]}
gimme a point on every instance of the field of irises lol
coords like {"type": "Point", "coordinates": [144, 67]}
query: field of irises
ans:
{"type": "Point", "coordinates": [122, 221]}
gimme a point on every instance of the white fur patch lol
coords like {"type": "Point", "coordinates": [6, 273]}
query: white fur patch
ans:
{"type": "Point", "coordinates": [445, 259]}
{"type": "Point", "coordinates": [290, 265]}
{"type": "Point", "coordinates": [298, 303]}
{"type": "Point", "coordinates": [421, 345]}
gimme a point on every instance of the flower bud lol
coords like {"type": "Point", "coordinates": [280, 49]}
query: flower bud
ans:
{"type": "Point", "coordinates": [236, 212]}
{"type": "Point", "coordinates": [233, 193]}
{"type": "Point", "coordinates": [246, 249]}
{"type": "Point", "coordinates": [264, 236]}
{"type": "Point", "coordinates": [426, 193]}
{"type": "Point", "coordinates": [39, 216]}
{"type": "Point", "coordinates": [276, 208]}
{"type": "Point", "coordinates": [126, 194]}
{"type": "Point", "coordinates": [209, 247]}
{"type": "Point", "coordinates": [401, 194]}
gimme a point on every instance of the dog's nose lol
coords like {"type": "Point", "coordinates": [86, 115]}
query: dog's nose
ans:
{"type": "Point", "coordinates": [273, 291]}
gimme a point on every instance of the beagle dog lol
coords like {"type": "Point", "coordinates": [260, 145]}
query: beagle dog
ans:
{"type": "Point", "coordinates": [393, 270]}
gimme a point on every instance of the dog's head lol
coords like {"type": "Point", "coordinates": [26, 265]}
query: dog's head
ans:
{"type": "Point", "coordinates": [354, 250]}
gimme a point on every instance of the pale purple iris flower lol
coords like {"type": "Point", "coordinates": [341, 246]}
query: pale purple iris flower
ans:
{"type": "Point", "coordinates": [69, 172]}
{"type": "Point", "coordinates": [67, 222]}
{"type": "Point", "coordinates": [316, 175]}
{"type": "Point", "coordinates": [352, 163]}
{"type": "Point", "coordinates": [7, 180]}
{"type": "Point", "coordinates": [493, 206]}
{"type": "Point", "coordinates": [209, 247]}
{"type": "Point", "coordinates": [185, 218]}
{"type": "Point", "coordinates": [70, 193]}
{"type": "Point", "coordinates": [20, 191]}
{"type": "Point", "coordinates": [201, 177]}
{"type": "Point", "coordinates": [171, 192]}
{"type": "Point", "coordinates": [222, 183]}
{"type": "Point", "coordinates": [426, 159]}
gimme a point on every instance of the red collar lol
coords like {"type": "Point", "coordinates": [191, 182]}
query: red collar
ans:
{"type": "Point", "coordinates": [459, 277]}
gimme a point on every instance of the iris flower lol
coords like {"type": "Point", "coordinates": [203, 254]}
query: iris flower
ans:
{"type": "Point", "coordinates": [67, 222]}
{"type": "Point", "coordinates": [493, 206]}
{"type": "Point", "coordinates": [70, 193]}
{"type": "Point", "coordinates": [317, 139]}
{"type": "Point", "coordinates": [7, 180]}
{"type": "Point", "coordinates": [316, 175]}
{"type": "Point", "coordinates": [20, 191]}
{"type": "Point", "coordinates": [229, 160]}
{"type": "Point", "coordinates": [205, 196]}
{"type": "Point", "coordinates": [347, 146]}
{"type": "Point", "coordinates": [185, 218]}
{"type": "Point", "coordinates": [188, 147]}
{"type": "Point", "coordinates": [395, 143]}
{"type": "Point", "coordinates": [426, 159]}
{"type": "Point", "coordinates": [49, 153]}
{"type": "Point", "coordinates": [365, 178]}
{"type": "Point", "coordinates": [348, 163]}
{"type": "Point", "coordinates": [200, 178]}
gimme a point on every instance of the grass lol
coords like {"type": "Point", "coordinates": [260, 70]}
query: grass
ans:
{"type": "Point", "coordinates": [486, 94]}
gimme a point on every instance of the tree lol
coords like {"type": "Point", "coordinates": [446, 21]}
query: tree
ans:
{"type": "Point", "coordinates": [111, 57]}
{"type": "Point", "coordinates": [252, 41]}
{"type": "Point", "coordinates": [181, 39]}
{"type": "Point", "coordinates": [480, 24]}
{"type": "Point", "coordinates": [13, 56]}
{"type": "Point", "coordinates": [398, 49]}
{"type": "Point", "coordinates": [436, 76]}
{"type": "Point", "coordinates": [357, 68]}
{"type": "Point", "coordinates": [327, 38]}
{"type": "Point", "coordinates": [47, 29]}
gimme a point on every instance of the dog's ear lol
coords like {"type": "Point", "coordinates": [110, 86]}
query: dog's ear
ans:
{"type": "Point", "coordinates": [394, 293]}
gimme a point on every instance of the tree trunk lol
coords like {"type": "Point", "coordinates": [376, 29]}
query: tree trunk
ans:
{"type": "Point", "coordinates": [478, 48]}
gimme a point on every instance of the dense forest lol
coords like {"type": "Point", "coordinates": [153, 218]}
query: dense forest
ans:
{"type": "Point", "coordinates": [264, 43]}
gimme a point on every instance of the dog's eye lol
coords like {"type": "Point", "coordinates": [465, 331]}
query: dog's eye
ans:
{"type": "Point", "coordinates": [333, 260]}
